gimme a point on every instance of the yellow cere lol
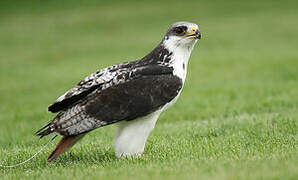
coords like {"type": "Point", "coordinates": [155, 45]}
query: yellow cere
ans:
{"type": "Point", "coordinates": [193, 29]}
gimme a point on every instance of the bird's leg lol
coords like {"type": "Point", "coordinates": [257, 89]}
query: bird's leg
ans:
{"type": "Point", "coordinates": [131, 136]}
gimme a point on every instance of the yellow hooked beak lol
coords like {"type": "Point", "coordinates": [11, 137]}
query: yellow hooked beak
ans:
{"type": "Point", "coordinates": [195, 32]}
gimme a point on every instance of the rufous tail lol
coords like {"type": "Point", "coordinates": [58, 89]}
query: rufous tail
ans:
{"type": "Point", "coordinates": [65, 143]}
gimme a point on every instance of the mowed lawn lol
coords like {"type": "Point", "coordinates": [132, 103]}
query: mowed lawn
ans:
{"type": "Point", "coordinates": [236, 117]}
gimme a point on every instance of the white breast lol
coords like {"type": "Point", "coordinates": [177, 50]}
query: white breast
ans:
{"type": "Point", "coordinates": [179, 63]}
{"type": "Point", "coordinates": [180, 56]}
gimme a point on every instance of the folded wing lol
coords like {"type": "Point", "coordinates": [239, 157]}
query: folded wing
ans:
{"type": "Point", "coordinates": [131, 93]}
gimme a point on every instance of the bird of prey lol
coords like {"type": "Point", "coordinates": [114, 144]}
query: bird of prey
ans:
{"type": "Point", "coordinates": [132, 94]}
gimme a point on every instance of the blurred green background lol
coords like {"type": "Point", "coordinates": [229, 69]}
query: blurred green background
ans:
{"type": "Point", "coordinates": [236, 117]}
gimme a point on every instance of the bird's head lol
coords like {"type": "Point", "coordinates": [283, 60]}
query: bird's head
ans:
{"type": "Point", "coordinates": [182, 34]}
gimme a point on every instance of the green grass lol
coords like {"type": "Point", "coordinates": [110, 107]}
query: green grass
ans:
{"type": "Point", "coordinates": [236, 117]}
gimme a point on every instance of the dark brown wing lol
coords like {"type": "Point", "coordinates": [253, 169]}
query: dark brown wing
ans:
{"type": "Point", "coordinates": [134, 99]}
{"type": "Point", "coordinates": [105, 78]}
{"type": "Point", "coordinates": [126, 101]}
{"type": "Point", "coordinates": [129, 95]}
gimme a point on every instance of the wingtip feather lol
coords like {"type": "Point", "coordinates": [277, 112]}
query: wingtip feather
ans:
{"type": "Point", "coordinates": [44, 131]}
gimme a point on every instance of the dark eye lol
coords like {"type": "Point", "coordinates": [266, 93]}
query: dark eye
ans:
{"type": "Point", "coordinates": [179, 30]}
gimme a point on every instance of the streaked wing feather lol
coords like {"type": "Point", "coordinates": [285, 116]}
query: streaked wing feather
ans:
{"type": "Point", "coordinates": [87, 86]}
{"type": "Point", "coordinates": [137, 96]}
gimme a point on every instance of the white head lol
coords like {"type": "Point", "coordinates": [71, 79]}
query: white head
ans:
{"type": "Point", "coordinates": [182, 35]}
